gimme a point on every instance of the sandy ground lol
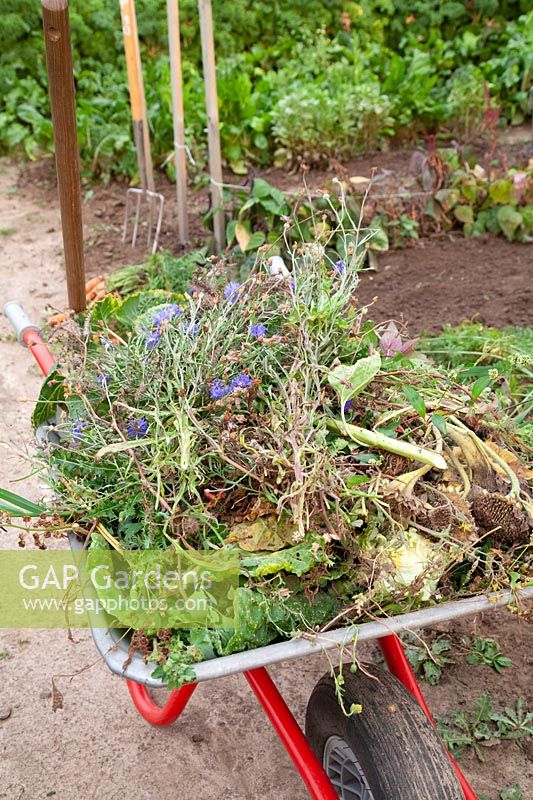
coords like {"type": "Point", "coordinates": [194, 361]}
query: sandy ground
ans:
{"type": "Point", "coordinates": [97, 746]}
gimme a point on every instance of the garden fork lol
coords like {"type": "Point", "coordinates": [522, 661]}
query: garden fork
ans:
{"type": "Point", "coordinates": [141, 133]}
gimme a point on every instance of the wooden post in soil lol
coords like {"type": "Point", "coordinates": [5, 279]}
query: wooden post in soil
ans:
{"type": "Point", "coordinates": [173, 17]}
{"type": "Point", "coordinates": [213, 130]}
{"type": "Point", "coordinates": [62, 100]}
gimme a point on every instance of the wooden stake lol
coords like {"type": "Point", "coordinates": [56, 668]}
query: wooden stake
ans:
{"type": "Point", "coordinates": [174, 46]}
{"type": "Point", "coordinates": [63, 103]}
{"type": "Point", "coordinates": [213, 128]}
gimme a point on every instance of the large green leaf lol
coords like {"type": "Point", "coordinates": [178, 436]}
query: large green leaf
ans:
{"type": "Point", "coordinates": [464, 214]}
{"type": "Point", "coordinates": [348, 381]}
{"type": "Point", "coordinates": [52, 392]}
{"type": "Point", "coordinates": [510, 220]}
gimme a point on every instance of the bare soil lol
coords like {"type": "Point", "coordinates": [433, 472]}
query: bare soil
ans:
{"type": "Point", "coordinates": [97, 746]}
{"type": "Point", "coordinates": [442, 278]}
{"type": "Point", "coordinates": [450, 279]}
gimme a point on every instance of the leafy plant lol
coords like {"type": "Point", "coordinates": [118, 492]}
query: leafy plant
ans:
{"type": "Point", "coordinates": [487, 651]}
{"type": "Point", "coordinates": [429, 658]}
{"type": "Point", "coordinates": [483, 726]}
{"type": "Point", "coordinates": [358, 73]}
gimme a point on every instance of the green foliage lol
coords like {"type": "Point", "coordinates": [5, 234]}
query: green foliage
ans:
{"type": "Point", "coordinates": [162, 272]}
{"type": "Point", "coordinates": [428, 659]}
{"type": "Point", "coordinates": [499, 203]}
{"type": "Point", "coordinates": [474, 350]}
{"type": "Point", "coordinates": [487, 651]}
{"type": "Point", "coordinates": [483, 726]}
{"type": "Point", "coordinates": [297, 79]}
{"type": "Point", "coordinates": [16, 506]}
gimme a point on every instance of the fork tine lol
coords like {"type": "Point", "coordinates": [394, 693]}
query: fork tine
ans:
{"type": "Point", "coordinates": [137, 218]}
{"type": "Point", "coordinates": [153, 200]}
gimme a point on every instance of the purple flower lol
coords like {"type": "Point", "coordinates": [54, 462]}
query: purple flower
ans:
{"type": "Point", "coordinates": [190, 328]}
{"type": "Point", "coordinates": [107, 344]}
{"type": "Point", "coordinates": [232, 291]}
{"type": "Point", "coordinates": [348, 405]}
{"type": "Point", "coordinates": [79, 427]}
{"type": "Point", "coordinates": [218, 389]}
{"type": "Point", "coordinates": [166, 314]}
{"type": "Point", "coordinates": [137, 428]}
{"type": "Point", "coordinates": [257, 330]}
{"type": "Point", "coordinates": [103, 379]}
{"type": "Point", "coordinates": [340, 267]}
{"type": "Point", "coordinates": [391, 342]}
{"type": "Point", "coordinates": [242, 381]}
{"type": "Point", "coordinates": [153, 339]}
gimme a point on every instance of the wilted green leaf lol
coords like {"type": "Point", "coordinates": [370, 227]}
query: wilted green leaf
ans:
{"type": "Point", "coordinates": [52, 393]}
{"type": "Point", "coordinates": [350, 380]}
{"type": "Point", "coordinates": [266, 533]}
{"type": "Point", "coordinates": [464, 214]}
{"type": "Point", "coordinates": [502, 191]}
{"type": "Point", "coordinates": [243, 236]}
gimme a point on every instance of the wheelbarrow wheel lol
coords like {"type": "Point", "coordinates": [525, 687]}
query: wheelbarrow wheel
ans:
{"type": "Point", "coordinates": [388, 751]}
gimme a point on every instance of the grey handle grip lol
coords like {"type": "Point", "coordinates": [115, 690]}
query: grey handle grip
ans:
{"type": "Point", "coordinates": [19, 319]}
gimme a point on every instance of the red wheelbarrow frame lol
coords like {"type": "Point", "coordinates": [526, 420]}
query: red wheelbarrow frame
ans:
{"type": "Point", "coordinates": [262, 685]}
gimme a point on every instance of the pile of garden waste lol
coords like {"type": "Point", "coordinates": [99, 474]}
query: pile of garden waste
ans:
{"type": "Point", "coordinates": [353, 475]}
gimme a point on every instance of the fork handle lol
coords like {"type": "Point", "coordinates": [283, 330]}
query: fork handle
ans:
{"type": "Point", "coordinates": [139, 115]}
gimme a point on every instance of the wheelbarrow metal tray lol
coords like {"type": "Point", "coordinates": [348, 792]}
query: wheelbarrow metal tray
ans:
{"type": "Point", "coordinates": [113, 646]}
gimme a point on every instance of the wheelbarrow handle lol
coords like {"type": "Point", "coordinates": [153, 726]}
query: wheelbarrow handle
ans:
{"type": "Point", "coordinates": [29, 336]}
{"type": "Point", "coordinates": [19, 320]}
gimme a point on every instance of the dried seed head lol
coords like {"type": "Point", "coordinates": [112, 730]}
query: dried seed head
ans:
{"type": "Point", "coordinates": [501, 515]}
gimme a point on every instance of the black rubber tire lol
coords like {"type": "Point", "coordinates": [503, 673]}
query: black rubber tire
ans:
{"type": "Point", "coordinates": [399, 752]}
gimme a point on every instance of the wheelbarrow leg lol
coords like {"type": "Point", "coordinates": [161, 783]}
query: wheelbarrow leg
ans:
{"type": "Point", "coordinates": [160, 715]}
{"type": "Point", "coordinates": [400, 667]}
{"type": "Point", "coordinates": [311, 771]}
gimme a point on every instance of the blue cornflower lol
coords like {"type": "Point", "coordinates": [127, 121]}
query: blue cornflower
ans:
{"type": "Point", "coordinates": [191, 328]}
{"type": "Point", "coordinates": [107, 344]}
{"type": "Point", "coordinates": [218, 389]}
{"type": "Point", "coordinates": [231, 292]}
{"type": "Point", "coordinates": [242, 381]}
{"type": "Point", "coordinates": [348, 405]}
{"type": "Point", "coordinates": [153, 339]}
{"type": "Point", "coordinates": [257, 330]}
{"type": "Point", "coordinates": [340, 267]}
{"type": "Point", "coordinates": [166, 314]}
{"type": "Point", "coordinates": [79, 427]}
{"type": "Point", "coordinates": [137, 428]}
{"type": "Point", "coordinates": [103, 379]}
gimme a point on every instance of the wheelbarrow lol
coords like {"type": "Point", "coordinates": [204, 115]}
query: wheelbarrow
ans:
{"type": "Point", "coordinates": [390, 751]}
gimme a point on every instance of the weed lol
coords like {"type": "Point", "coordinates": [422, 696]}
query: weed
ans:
{"type": "Point", "coordinates": [4, 655]}
{"type": "Point", "coordinates": [483, 726]}
{"type": "Point", "coordinates": [487, 651]}
{"type": "Point", "coordinates": [428, 659]}
{"type": "Point", "coordinates": [7, 231]}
